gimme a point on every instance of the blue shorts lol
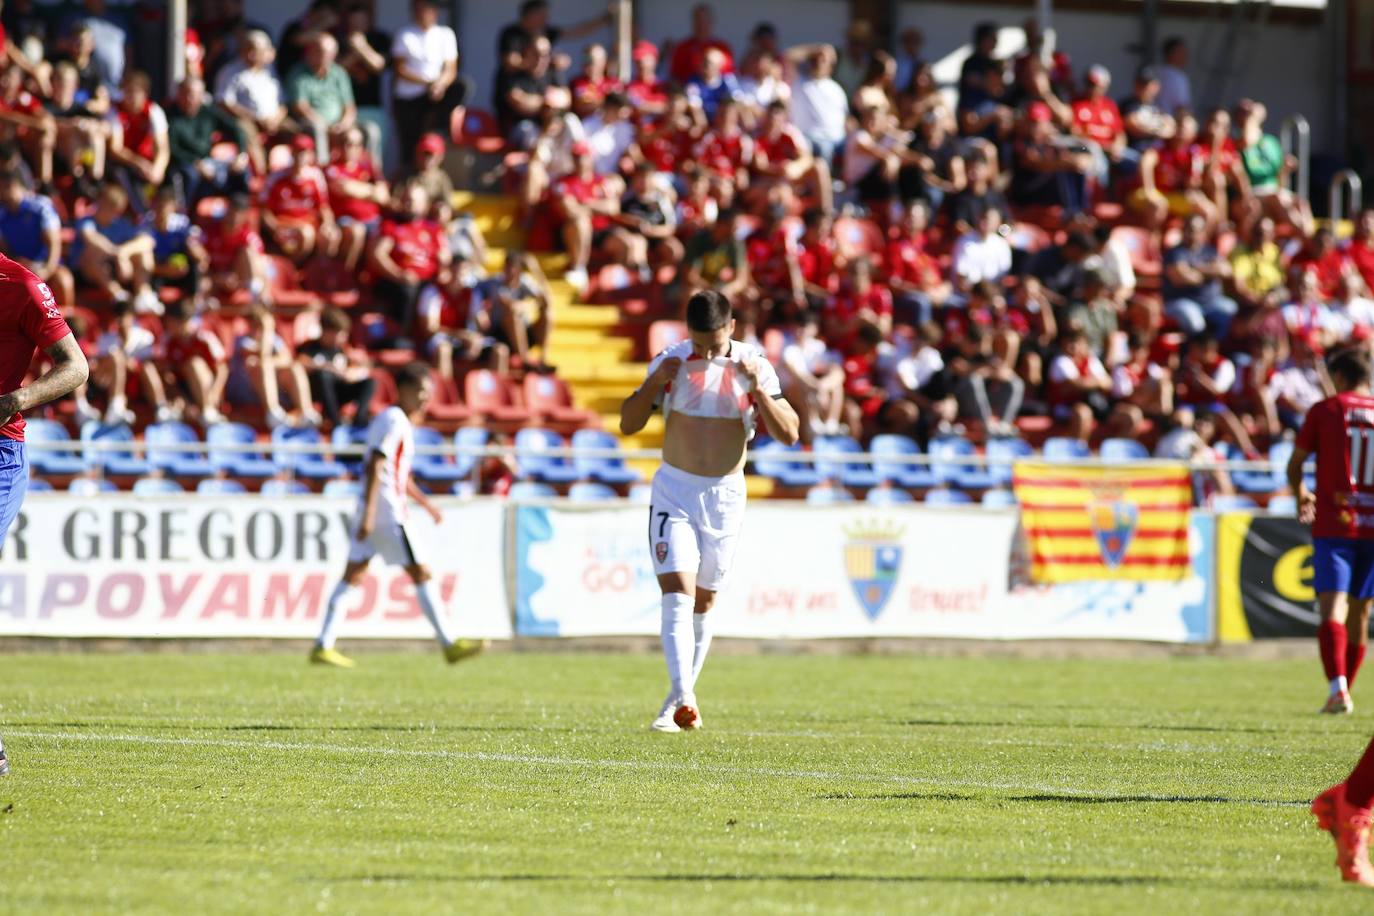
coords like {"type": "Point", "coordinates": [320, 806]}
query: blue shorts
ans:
{"type": "Point", "coordinates": [1343, 565]}
{"type": "Point", "coordinates": [14, 481]}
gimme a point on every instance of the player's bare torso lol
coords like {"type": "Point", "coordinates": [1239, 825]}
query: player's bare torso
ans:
{"type": "Point", "coordinates": [705, 446]}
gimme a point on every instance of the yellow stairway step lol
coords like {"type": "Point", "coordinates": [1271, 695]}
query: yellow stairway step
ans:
{"type": "Point", "coordinates": [601, 317]}
{"type": "Point", "coordinates": [756, 487]}
{"type": "Point", "coordinates": [623, 373]}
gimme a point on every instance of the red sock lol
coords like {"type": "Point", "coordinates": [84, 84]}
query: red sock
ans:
{"type": "Point", "coordinates": [1331, 639]}
{"type": "Point", "coordinates": [1354, 655]}
{"type": "Point", "coordinates": [1359, 788]}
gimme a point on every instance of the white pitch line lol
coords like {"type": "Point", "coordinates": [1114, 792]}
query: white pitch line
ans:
{"type": "Point", "coordinates": [590, 763]}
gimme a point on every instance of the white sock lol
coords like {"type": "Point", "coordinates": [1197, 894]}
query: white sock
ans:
{"type": "Point", "coordinates": [678, 638]}
{"type": "Point", "coordinates": [702, 625]}
{"type": "Point", "coordinates": [1339, 685]}
{"type": "Point", "coordinates": [426, 597]}
{"type": "Point", "coordinates": [333, 613]}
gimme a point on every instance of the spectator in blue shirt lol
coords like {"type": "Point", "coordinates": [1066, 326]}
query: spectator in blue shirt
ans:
{"type": "Point", "coordinates": [112, 254]}
{"type": "Point", "coordinates": [711, 85]}
{"type": "Point", "coordinates": [179, 258]}
{"type": "Point", "coordinates": [31, 233]}
{"type": "Point", "coordinates": [1193, 274]}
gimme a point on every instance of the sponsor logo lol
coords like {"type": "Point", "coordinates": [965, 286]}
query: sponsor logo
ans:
{"type": "Point", "coordinates": [1113, 523]}
{"type": "Point", "coordinates": [661, 551]}
{"type": "Point", "coordinates": [872, 561]}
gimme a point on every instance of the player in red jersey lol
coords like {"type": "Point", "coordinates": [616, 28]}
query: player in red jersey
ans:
{"type": "Point", "coordinates": [29, 321]}
{"type": "Point", "coordinates": [1341, 512]}
{"type": "Point", "coordinates": [1340, 431]}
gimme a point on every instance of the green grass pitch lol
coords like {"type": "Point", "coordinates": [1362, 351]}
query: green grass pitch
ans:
{"type": "Point", "coordinates": [528, 783]}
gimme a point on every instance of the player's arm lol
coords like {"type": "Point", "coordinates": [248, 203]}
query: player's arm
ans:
{"type": "Point", "coordinates": [371, 481]}
{"type": "Point", "coordinates": [423, 501]}
{"type": "Point", "coordinates": [779, 418]}
{"type": "Point", "coordinates": [638, 407]}
{"type": "Point", "coordinates": [68, 372]}
{"type": "Point", "coordinates": [1307, 500]}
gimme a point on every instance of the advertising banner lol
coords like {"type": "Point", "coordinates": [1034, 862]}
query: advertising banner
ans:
{"type": "Point", "coordinates": [844, 572]}
{"type": "Point", "coordinates": [123, 566]}
{"type": "Point", "coordinates": [1264, 578]}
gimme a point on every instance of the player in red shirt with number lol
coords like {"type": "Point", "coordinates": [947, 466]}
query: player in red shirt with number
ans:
{"type": "Point", "coordinates": [29, 321]}
{"type": "Point", "coordinates": [1340, 431]}
{"type": "Point", "coordinates": [1341, 513]}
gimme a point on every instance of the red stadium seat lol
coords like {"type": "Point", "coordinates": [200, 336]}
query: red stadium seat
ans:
{"type": "Point", "coordinates": [384, 394]}
{"type": "Point", "coordinates": [285, 283]}
{"type": "Point", "coordinates": [495, 398]}
{"type": "Point", "coordinates": [446, 410]}
{"type": "Point", "coordinates": [476, 129]}
{"type": "Point", "coordinates": [550, 402]}
{"type": "Point", "coordinates": [859, 238]}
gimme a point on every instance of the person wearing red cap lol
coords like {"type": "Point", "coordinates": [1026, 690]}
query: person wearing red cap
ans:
{"type": "Point", "coordinates": [646, 91]}
{"type": "Point", "coordinates": [295, 206]}
{"type": "Point", "coordinates": [430, 174]}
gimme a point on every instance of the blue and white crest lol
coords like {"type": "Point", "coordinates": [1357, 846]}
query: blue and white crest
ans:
{"type": "Point", "coordinates": [872, 561]}
{"type": "Point", "coordinates": [1114, 526]}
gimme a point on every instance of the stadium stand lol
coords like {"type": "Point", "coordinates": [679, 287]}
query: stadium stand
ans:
{"type": "Point", "coordinates": [1035, 269]}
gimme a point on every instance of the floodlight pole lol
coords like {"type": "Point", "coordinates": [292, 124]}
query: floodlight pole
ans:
{"type": "Point", "coordinates": [176, 43]}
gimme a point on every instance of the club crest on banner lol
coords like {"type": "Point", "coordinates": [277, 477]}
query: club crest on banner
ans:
{"type": "Point", "coordinates": [1113, 522]}
{"type": "Point", "coordinates": [872, 560]}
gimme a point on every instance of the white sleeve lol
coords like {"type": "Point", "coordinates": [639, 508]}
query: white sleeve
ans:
{"type": "Point", "coordinates": [768, 377]}
{"type": "Point", "coordinates": [1122, 386]}
{"type": "Point", "coordinates": [1062, 369]}
{"type": "Point", "coordinates": [1225, 379]}
{"type": "Point", "coordinates": [384, 434]}
{"type": "Point", "coordinates": [157, 119]}
{"type": "Point", "coordinates": [450, 44]}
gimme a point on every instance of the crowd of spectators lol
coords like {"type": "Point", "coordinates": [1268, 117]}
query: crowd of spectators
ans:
{"type": "Point", "coordinates": [924, 260]}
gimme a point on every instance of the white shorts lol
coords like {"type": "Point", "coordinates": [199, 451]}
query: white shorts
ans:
{"type": "Point", "coordinates": [694, 524]}
{"type": "Point", "coordinates": [390, 541]}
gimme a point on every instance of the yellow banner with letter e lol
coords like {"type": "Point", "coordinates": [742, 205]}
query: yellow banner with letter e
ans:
{"type": "Point", "coordinates": [1113, 522]}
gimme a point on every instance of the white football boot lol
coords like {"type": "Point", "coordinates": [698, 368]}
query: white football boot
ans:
{"type": "Point", "coordinates": [664, 722]}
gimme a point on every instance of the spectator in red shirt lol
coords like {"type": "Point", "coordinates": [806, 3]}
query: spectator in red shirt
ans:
{"type": "Point", "coordinates": [357, 194]}
{"type": "Point", "coordinates": [236, 251]}
{"type": "Point", "coordinates": [1171, 179]}
{"type": "Point", "coordinates": [818, 257]}
{"type": "Point", "coordinates": [25, 119]}
{"type": "Point", "coordinates": [1360, 251]}
{"type": "Point", "coordinates": [859, 301]}
{"type": "Point", "coordinates": [296, 211]}
{"type": "Point", "coordinates": [192, 362]}
{"type": "Point", "coordinates": [1323, 259]}
{"type": "Point", "coordinates": [773, 267]}
{"type": "Point", "coordinates": [726, 151]}
{"type": "Point", "coordinates": [782, 158]}
{"type": "Point", "coordinates": [912, 274]}
{"type": "Point", "coordinates": [668, 141]}
{"type": "Point", "coordinates": [590, 89]}
{"type": "Point", "coordinates": [588, 204]}
{"type": "Point", "coordinates": [646, 91]}
{"type": "Point", "coordinates": [687, 55]}
{"type": "Point", "coordinates": [1097, 119]}
{"type": "Point", "coordinates": [411, 251]}
{"type": "Point", "coordinates": [140, 148]}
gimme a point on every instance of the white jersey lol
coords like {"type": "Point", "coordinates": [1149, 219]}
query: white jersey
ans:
{"type": "Point", "coordinates": [716, 387]}
{"type": "Point", "coordinates": [391, 434]}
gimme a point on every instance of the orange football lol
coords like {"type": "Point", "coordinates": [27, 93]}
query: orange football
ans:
{"type": "Point", "coordinates": [686, 717]}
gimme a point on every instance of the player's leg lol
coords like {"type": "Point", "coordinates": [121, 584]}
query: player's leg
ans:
{"type": "Point", "coordinates": [1344, 811]}
{"type": "Point", "coordinates": [1357, 637]}
{"type": "Point", "coordinates": [1332, 567]}
{"type": "Point", "coordinates": [360, 554]}
{"type": "Point", "coordinates": [398, 548]}
{"type": "Point", "coordinates": [676, 556]}
{"type": "Point", "coordinates": [718, 533]}
{"type": "Point", "coordinates": [14, 482]}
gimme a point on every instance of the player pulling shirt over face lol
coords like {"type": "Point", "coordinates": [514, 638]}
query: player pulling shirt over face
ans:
{"type": "Point", "coordinates": [711, 389]}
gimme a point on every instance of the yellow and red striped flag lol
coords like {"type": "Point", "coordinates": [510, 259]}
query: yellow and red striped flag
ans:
{"type": "Point", "coordinates": [1096, 522]}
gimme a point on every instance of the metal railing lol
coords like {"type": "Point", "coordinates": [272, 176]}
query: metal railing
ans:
{"type": "Point", "coordinates": [1295, 135]}
{"type": "Point", "coordinates": [1345, 180]}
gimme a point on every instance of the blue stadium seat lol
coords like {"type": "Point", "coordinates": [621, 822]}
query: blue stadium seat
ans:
{"type": "Point", "coordinates": [947, 498]}
{"type": "Point", "coordinates": [531, 462]}
{"type": "Point", "coordinates": [220, 486]}
{"type": "Point", "coordinates": [1282, 505]}
{"type": "Point", "coordinates": [848, 473]}
{"type": "Point", "coordinates": [999, 499]}
{"type": "Point", "coordinates": [1063, 448]}
{"type": "Point", "coordinates": [279, 487]}
{"type": "Point", "coordinates": [39, 485]}
{"type": "Point", "coordinates": [91, 486]}
{"type": "Point", "coordinates": [311, 467]}
{"type": "Point", "coordinates": [345, 436]}
{"type": "Point", "coordinates": [1234, 503]}
{"type": "Point", "coordinates": [527, 490]}
{"type": "Point", "coordinates": [175, 461]}
{"type": "Point", "coordinates": [121, 462]}
{"type": "Point", "coordinates": [470, 437]}
{"type": "Point", "coordinates": [772, 461]}
{"type": "Point", "coordinates": [947, 467]}
{"type": "Point", "coordinates": [1122, 450]}
{"type": "Point", "coordinates": [641, 494]}
{"type": "Point", "coordinates": [237, 463]}
{"type": "Point", "coordinates": [437, 468]}
{"type": "Point", "coordinates": [44, 461]}
{"type": "Point", "coordinates": [824, 495]}
{"type": "Point", "coordinates": [888, 496]}
{"type": "Point", "coordinates": [610, 470]}
{"type": "Point", "coordinates": [1002, 453]}
{"type": "Point", "coordinates": [919, 476]}
{"type": "Point", "coordinates": [156, 486]}
{"type": "Point", "coordinates": [343, 489]}
{"type": "Point", "coordinates": [590, 492]}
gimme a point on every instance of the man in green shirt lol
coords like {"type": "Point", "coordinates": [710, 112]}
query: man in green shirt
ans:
{"type": "Point", "coordinates": [320, 94]}
{"type": "Point", "coordinates": [715, 258]}
{"type": "Point", "coordinates": [1266, 169]}
{"type": "Point", "coordinates": [193, 129]}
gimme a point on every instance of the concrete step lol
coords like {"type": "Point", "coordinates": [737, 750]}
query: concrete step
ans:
{"type": "Point", "coordinates": [602, 317]}
{"type": "Point", "coordinates": [565, 351]}
{"type": "Point", "coordinates": [626, 374]}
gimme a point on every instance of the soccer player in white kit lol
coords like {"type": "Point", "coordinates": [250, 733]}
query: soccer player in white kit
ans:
{"type": "Point", "coordinates": [710, 389]}
{"type": "Point", "coordinates": [379, 526]}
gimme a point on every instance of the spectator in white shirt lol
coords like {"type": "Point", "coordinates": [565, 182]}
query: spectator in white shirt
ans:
{"type": "Point", "coordinates": [819, 104]}
{"type": "Point", "coordinates": [427, 86]}
{"type": "Point", "coordinates": [812, 377]}
{"type": "Point", "coordinates": [250, 91]}
{"type": "Point", "coordinates": [1175, 89]}
{"type": "Point", "coordinates": [981, 254]}
{"type": "Point", "coordinates": [610, 133]}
